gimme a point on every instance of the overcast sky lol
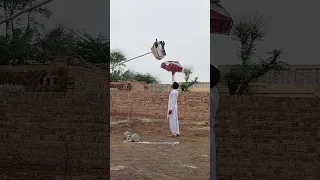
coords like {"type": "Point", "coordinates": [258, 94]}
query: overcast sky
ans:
{"type": "Point", "coordinates": [184, 25]}
{"type": "Point", "coordinates": [92, 16]}
{"type": "Point", "coordinates": [293, 26]}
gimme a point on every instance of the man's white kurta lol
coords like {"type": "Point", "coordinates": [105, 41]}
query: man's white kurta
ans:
{"type": "Point", "coordinates": [173, 106]}
{"type": "Point", "coordinates": [173, 117]}
{"type": "Point", "coordinates": [214, 104]}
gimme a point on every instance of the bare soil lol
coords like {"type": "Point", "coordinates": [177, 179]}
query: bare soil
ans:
{"type": "Point", "coordinates": [188, 160]}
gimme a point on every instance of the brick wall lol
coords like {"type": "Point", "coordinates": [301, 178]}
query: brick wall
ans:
{"type": "Point", "coordinates": [160, 87]}
{"type": "Point", "coordinates": [69, 78]}
{"type": "Point", "coordinates": [35, 128]}
{"type": "Point", "coordinates": [192, 106]}
{"type": "Point", "coordinates": [129, 86]}
{"type": "Point", "coordinates": [88, 79]}
{"type": "Point", "coordinates": [268, 138]}
{"type": "Point", "coordinates": [45, 132]}
{"type": "Point", "coordinates": [36, 78]}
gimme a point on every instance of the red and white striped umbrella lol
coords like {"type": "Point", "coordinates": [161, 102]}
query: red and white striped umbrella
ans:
{"type": "Point", "coordinates": [172, 66]}
{"type": "Point", "coordinates": [220, 20]}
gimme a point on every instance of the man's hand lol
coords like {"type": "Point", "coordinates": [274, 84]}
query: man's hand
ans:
{"type": "Point", "coordinates": [170, 112]}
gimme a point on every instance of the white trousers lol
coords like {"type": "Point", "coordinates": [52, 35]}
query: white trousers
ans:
{"type": "Point", "coordinates": [174, 124]}
{"type": "Point", "coordinates": [214, 104]}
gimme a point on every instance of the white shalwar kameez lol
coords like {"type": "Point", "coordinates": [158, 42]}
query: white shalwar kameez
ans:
{"type": "Point", "coordinates": [214, 104]}
{"type": "Point", "coordinates": [173, 106]}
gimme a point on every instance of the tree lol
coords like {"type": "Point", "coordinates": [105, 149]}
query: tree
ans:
{"type": "Point", "coordinates": [93, 49]}
{"type": "Point", "coordinates": [17, 49]}
{"type": "Point", "coordinates": [25, 43]}
{"type": "Point", "coordinates": [31, 48]}
{"type": "Point", "coordinates": [25, 6]}
{"type": "Point", "coordinates": [141, 77]}
{"type": "Point", "coordinates": [247, 33]}
{"type": "Point", "coordinates": [117, 57]}
{"type": "Point", "coordinates": [55, 43]}
{"type": "Point", "coordinates": [17, 44]}
{"type": "Point", "coordinates": [146, 77]}
{"type": "Point", "coordinates": [117, 73]}
{"type": "Point", "coordinates": [188, 81]}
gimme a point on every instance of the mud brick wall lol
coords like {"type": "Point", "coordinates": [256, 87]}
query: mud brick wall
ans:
{"type": "Point", "coordinates": [69, 78]}
{"type": "Point", "coordinates": [261, 138]}
{"type": "Point", "coordinates": [192, 106]}
{"type": "Point", "coordinates": [88, 79]}
{"type": "Point", "coordinates": [56, 131]}
{"type": "Point", "coordinates": [40, 131]}
{"type": "Point", "coordinates": [35, 78]}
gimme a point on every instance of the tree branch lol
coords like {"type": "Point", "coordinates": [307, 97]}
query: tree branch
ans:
{"type": "Point", "coordinates": [266, 68]}
{"type": "Point", "coordinates": [24, 11]}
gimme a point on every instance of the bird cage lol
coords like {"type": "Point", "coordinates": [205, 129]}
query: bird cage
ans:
{"type": "Point", "coordinates": [158, 49]}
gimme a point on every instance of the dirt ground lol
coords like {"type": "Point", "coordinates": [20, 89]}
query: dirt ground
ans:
{"type": "Point", "coordinates": [188, 160]}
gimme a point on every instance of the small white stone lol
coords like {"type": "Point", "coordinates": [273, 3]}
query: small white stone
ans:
{"type": "Point", "coordinates": [126, 134]}
{"type": "Point", "coordinates": [135, 137]}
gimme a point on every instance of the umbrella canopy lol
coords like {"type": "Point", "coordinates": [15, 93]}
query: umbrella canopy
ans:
{"type": "Point", "coordinates": [220, 20]}
{"type": "Point", "coordinates": [172, 66]}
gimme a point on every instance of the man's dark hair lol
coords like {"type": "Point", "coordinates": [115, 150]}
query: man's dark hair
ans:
{"type": "Point", "coordinates": [175, 85]}
{"type": "Point", "coordinates": [214, 76]}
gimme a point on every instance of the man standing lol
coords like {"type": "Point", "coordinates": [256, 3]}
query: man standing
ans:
{"type": "Point", "coordinates": [214, 103]}
{"type": "Point", "coordinates": [173, 109]}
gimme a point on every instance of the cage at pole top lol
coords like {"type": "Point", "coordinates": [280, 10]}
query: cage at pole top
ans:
{"type": "Point", "coordinates": [158, 49]}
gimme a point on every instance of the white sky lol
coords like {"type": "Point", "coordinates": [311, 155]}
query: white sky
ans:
{"type": "Point", "coordinates": [184, 25]}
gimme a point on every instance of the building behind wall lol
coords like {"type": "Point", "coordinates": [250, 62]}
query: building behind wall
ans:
{"type": "Point", "coordinates": [131, 85]}
{"type": "Point", "coordinates": [200, 87]}
{"type": "Point", "coordinates": [60, 77]}
{"type": "Point", "coordinates": [298, 80]}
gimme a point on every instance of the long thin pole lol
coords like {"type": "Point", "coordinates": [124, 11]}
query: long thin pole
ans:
{"type": "Point", "coordinates": [136, 57]}
{"type": "Point", "coordinates": [24, 11]}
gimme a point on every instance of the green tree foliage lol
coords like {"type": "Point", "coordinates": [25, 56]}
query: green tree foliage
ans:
{"type": "Point", "coordinates": [25, 40]}
{"type": "Point", "coordinates": [142, 77]}
{"type": "Point", "coordinates": [247, 33]}
{"type": "Point", "coordinates": [117, 72]}
{"type": "Point", "coordinates": [185, 86]}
